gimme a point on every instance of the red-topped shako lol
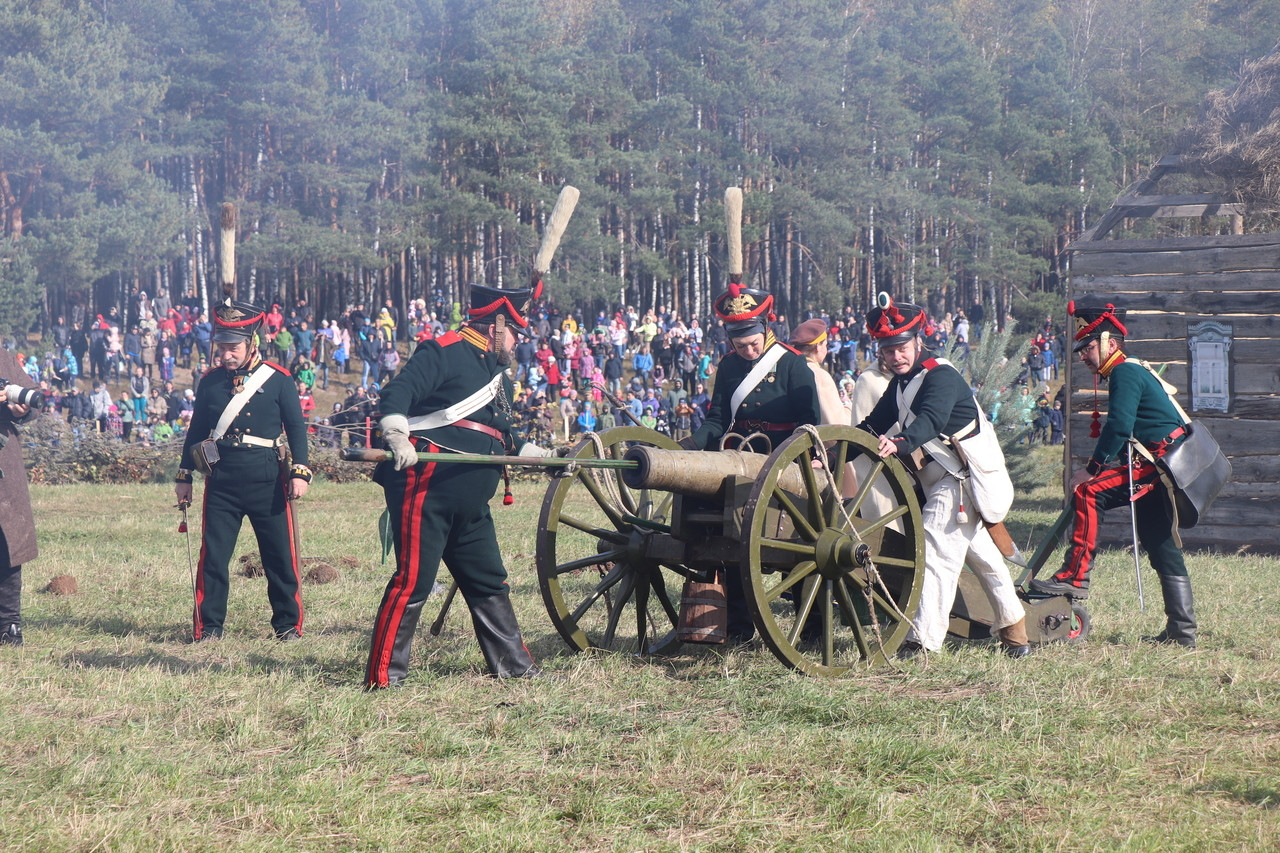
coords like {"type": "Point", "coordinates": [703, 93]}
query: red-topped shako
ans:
{"type": "Point", "coordinates": [892, 323]}
{"type": "Point", "coordinates": [235, 321]}
{"type": "Point", "coordinates": [1096, 322]}
{"type": "Point", "coordinates": [488, 303]}
{"type": "Point", "coordinates": [744, 310]}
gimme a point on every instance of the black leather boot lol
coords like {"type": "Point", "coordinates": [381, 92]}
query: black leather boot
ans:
{"type": "Point", "coordinates": [398, 666]}
{"type": "Point", "coordinates": [1181, 627]}
{"type": "Point", "coordinates": [10, 606]}
{"type": "Point", "coordinates": [504, 651]}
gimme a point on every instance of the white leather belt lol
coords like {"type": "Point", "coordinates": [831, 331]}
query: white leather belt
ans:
{"type": "Point", "coordinates": [251, 439]}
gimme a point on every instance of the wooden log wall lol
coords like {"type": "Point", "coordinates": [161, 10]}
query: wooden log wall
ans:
{"type": "Point", "coordinates": [1168, 285]}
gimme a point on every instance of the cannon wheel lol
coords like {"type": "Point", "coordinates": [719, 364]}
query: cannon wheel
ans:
{"type": "Point", "coordinates": [835, 614]}
{"type": "Point", "coordinates": [600, 590]}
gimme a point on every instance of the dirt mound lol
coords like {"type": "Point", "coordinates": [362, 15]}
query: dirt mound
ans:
{"type": "Point", "coordinates": [62, 585]}
{"type": "Point", "coordinates": [251, 566]}
{"type": "Point", "coordinates": [320, 574]}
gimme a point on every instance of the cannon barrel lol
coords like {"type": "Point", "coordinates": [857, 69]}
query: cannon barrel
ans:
{"type": "Point", "coordinates": [698, 472]}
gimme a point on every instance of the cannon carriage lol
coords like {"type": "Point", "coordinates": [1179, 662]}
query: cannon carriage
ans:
{"type": "Point", "coordinates": [831, 584]}
{"type": "Point", "coordinates": [828, 538]}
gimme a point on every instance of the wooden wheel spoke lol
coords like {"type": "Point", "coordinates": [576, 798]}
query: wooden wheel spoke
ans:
{"type": "Point", "coordinates": [803, 527]}
{"type": "Point", "coordinates": [804, 606]}
{"type": "Point", "coordinates": [790, 546]}
{"type": "Point", "coordinates": [805, 461]}
{"type": "Point", "coordinates": [840, 471]}
{"type": "Point", "coordinates": [894, 561]}
{"type": "Point", "coordinates": [795, 576]}
{"type": "Point", "coordinates": [660, 593]}
{"type": "Point", "coordinates": [588, 561]}
{"type": "Point", "coordinates": [618, 536]}
{"type": "Point", "coordinates": [593, 488]}
{"type": "Point", "coordinates": [642, 610]}
{"type": "Point", "coordinates": [851, 616]}
{"type": "Point", "coordinates": [884, 520]}
{"type": "Point", "coordinates": [864, 488]}
{"type": "Point", "coordinates": [828, 626]}
{"type": "Point", "coordinates": [625, 591]}
{"type": "Point", "coordinates": [617, 573]}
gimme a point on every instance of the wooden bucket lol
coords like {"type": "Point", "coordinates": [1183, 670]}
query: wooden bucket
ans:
{"type": "Point", "coordinates": [704, 612]}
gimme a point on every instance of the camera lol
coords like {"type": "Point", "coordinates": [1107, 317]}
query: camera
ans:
{"type": "Point", "coordinates": [22, 396]}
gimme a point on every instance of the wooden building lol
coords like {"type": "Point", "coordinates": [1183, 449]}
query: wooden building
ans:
{"type": "Point", "coordinates": [1208, 309]}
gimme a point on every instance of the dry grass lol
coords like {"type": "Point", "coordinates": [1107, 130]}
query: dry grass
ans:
{"type": "Point", "coordinates": [119, 735]}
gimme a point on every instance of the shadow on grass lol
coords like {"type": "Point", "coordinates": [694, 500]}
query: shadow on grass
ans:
{"type": "Point", "coordinates": [1246, 791]}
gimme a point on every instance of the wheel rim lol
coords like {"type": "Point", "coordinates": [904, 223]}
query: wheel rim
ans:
{"type": "Point", "coordinates": [800, 541]}
{"type": "Point", "coordinates": [600, 587]}
{"type": "Point", "coordinates": [1079, 624]}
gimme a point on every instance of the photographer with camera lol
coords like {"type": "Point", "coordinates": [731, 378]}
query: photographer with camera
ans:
{"type": "Point", "coordinates": [19, 397]}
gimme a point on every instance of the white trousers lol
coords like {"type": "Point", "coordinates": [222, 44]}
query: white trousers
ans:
{"type": "Point", "coordinates": [949, 546]}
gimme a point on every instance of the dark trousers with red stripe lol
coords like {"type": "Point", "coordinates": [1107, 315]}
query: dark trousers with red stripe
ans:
{"type": "Point", "coordinates": [1109, 489]}
{"type": "Point", "coordinates": [248, 483]}
{"type": "Point", "coordinates": [437, 512]}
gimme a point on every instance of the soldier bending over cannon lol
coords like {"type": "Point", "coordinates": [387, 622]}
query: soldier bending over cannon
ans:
{"type": "Point", "coordinates": [936, 409]}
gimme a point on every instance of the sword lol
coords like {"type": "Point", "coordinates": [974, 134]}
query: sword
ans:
{"type": "Point", "coordinates": [1133, 523]}
{"type": "Point", "coordinates": [438, 625]}
{"type": "Point", "coordinates": [182, 528]}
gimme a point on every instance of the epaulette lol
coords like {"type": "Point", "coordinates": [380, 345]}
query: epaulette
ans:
{"type": "Point", "coordinates": [283, 370]}
{"type": "Point", "coordinates": [790, 347]}
{"type": "Point", "coordinates": [447, 339]}
{"type": "Point", "coordinates": [929, 364]}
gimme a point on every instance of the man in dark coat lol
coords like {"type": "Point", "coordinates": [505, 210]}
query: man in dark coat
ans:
{"type": "Point", "coordinates": [453, 393]}
{"type": "Point", "coordinates": [1138, 409]}
{"type": "Point", "coordinates": [762, 386]}
{"type": "Point", "coordinates": [250, 477]}
{"type": "Point", "coordinates": [17, 525]}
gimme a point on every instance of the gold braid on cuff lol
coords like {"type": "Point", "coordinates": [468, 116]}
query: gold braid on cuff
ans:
{"type": "Point", "coordinates": [302, 472]}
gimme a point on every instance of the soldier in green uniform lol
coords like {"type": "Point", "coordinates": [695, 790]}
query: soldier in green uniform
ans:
{"type": "Point", "coordinates": [453, 394]}
{"type": "Point", "coordinates": [244, 410]}
{"type": "Point", "coordinates": [762, 386]}
{"type": "Point", "coordinates": [1138, 409]}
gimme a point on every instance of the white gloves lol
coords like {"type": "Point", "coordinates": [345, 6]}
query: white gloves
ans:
{"type": "Point", "coordinates": [531, 449]}
{"type": "Point", "coordinates": [395, 429]}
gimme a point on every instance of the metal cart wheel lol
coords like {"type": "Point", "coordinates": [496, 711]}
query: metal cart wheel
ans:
{"type": "Point", "coordinates": [832, 581]}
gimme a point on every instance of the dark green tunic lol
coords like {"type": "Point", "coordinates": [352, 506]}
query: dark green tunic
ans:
{"type": "Point", "coordinates": [787, 395]}
{"type": "Point", "coordinates": [248, 481]}
{"type": "Point", "coordinates": [440, 511]}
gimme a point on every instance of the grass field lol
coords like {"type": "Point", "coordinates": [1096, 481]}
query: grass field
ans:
{"type": "Point", "coordinates": [118, 735]}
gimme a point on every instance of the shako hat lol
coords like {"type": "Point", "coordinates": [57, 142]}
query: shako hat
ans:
{"type": "Point", "coordinates": [487, 303]}
{"type": "Point", "coordinates": [1093, 321]}
{"type": "Point", "coordinates": [892, 323]}
{"type": "Point", "coordinates": [810, 333]}
{"type": "Point", "coordinates": [235, 321]}
{"type": "Point", "coordinates": [744, 310]}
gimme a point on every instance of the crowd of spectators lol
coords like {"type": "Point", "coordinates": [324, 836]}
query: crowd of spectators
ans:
{"type": "Point", "coordinates": [574, 374]}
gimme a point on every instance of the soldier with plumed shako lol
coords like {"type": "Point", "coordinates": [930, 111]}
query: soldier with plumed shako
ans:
{"type": "Point", "coordinates": [763, 386]}
{"type": "Point", "coordinates": [453, 394]}
{"type": "Point", "coordinates": [246, 414]}
{"type": "Point", "coordinates": [934, 410]}
{"type": "Point", "coordinates": [1139, 409]}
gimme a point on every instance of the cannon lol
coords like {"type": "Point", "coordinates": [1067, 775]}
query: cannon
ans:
{"type": "Point", "coordinates": [831, 560]}
{"type": "Point", "coordinates": [831, 585]}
